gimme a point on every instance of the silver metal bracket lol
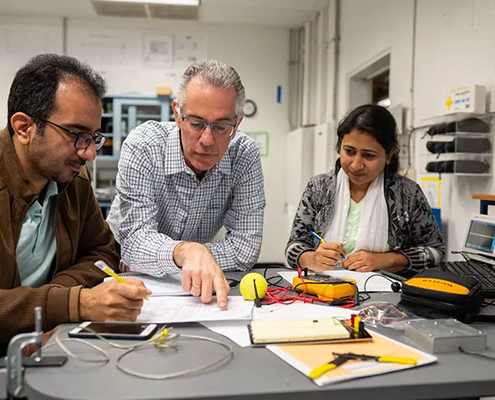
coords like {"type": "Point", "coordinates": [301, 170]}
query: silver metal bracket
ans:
{"type": "Point", "coordinates": [15, 361]}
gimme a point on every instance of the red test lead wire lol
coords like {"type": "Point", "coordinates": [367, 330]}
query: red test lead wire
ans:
{"type": "Point", "coordinates": [281, 296]}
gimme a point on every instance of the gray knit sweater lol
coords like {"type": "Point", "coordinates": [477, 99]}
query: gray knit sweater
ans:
{"type": "Point", "coordinates": [412, 230]}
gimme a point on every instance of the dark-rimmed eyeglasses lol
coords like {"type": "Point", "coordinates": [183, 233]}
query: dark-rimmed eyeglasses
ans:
{"type": "Point", "coordinates": [83, 140]}
{"type": "Point", "coordinates": [195, 125]}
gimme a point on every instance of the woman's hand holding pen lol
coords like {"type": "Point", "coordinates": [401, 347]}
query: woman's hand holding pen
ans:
{"type": "Point", "coordinates": [325, 257]}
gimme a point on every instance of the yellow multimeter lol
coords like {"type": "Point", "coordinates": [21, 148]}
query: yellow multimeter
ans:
{"type": "Point", "coordinates": [326, 288]}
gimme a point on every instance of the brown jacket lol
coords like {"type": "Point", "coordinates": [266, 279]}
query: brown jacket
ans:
{"type": "Point", "coordinates": [82, 237]}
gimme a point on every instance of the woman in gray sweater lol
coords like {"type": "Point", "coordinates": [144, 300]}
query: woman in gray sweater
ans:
{"type": "Point", "coordinates": [368, 216]}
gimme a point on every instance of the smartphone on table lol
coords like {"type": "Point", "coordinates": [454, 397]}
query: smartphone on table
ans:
{"type": "Point", "coordinates": [114, 330]}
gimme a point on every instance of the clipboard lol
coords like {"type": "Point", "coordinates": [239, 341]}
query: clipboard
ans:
{"type": "Point", "coordinates": [318, 330]}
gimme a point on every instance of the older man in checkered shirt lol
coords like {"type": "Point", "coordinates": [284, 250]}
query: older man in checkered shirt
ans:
{"type": "Point", "coordinates": [179, 182]}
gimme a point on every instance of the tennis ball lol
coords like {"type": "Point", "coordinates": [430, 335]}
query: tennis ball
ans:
{"type": "Point", "coordinates": [247, 286]}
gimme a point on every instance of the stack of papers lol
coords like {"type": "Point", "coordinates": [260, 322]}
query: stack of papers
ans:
{"type": "Point", "coordinates": [169, 309]}
{"type": "Point", "coordinates": [169, 285]}
{"type": "Point", "coordinates": [169, 303]}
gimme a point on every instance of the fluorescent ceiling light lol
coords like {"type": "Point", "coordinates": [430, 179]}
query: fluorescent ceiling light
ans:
{"type": "Point", "coordinates": [164, 2]}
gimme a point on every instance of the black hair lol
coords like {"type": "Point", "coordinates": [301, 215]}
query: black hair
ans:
{"type": "Point", "coordinates": [35, 85]}
{"type": "Point", "coordinates": [379, 123]}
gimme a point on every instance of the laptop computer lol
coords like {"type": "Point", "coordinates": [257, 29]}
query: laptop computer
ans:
{"type": "Point", "coordinates": [479, 254]}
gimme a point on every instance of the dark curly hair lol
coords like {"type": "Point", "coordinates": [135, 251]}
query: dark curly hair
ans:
{"type": "Point", "coordinates": [379, 123]}
{"type": "Point", "coordinates": [35, 85]}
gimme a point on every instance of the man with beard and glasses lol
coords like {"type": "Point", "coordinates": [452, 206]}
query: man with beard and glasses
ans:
{"type": "Point", "coordinates": [51, 227]}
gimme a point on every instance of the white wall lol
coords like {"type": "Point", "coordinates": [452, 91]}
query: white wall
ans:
{"type": "Point", "coordinates": [115, 47]}
{"type": "Point", "coordinates": [260, 55]}
{"type": "Point", "coordinates": [17, 44]}
{"type": "Point", "coordinates": [455, 46]}
{"type": "Point", "coordinates": [369, 30]}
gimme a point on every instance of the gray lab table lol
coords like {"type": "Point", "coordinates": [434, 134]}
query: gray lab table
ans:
{"type": "Point", "coordinates": [256, 373]}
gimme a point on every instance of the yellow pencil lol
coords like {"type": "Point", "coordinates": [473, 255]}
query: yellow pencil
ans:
{"type": "Point", "coordinates": [110, 272]}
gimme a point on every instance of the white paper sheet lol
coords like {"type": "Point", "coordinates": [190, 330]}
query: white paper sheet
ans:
{"type": "Point", "coordinates": [299, 310]}
{"type": "Point", "coordinates": [168, 309]}
{"type": "Point", "coordinates": [169, 285]}
{"type": "Point", "coordinates": [375, 282]}
{"type": "Point", "coordinates": [237, 331]}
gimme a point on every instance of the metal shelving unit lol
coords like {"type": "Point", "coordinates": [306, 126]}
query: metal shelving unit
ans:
{"type": "Point", "coordinates": [121, 113]}
{"type": "Point", "coordinates": [458, 144]}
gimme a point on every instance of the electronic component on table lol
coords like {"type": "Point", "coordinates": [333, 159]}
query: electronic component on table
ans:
{"type": "Point", "coordinates": [114, 330]}
{"type": "Point", "coordinates": [445, 335]}
{"type": "Point", "coordinates": [307, 330]}
{"type": "Point", "coordinates": [385, 314]}
{"type": "Point", "coordinates": [326, 288]}
{"type": "Point", "coordinates": [341, 358]}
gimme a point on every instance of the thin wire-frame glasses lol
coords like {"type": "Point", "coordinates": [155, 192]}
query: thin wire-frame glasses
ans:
{"type": "Point", "coordinates": [83, 140]}
{"type": "Point", "coordinates": [197, 126]}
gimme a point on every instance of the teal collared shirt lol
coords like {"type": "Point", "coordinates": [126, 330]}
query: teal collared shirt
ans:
{"type": "Point", "coordinates": [36, 247]}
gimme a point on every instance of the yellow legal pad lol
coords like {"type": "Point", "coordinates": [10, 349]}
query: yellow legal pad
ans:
{"type": "Point", "coordinates": [298, 330]}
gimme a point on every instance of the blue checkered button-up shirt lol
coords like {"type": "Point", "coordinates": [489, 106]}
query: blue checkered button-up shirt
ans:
{"type": "Point", "coordinates": [160, 201]}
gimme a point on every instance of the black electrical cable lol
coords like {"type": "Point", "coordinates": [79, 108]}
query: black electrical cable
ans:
{"type": "Point", "coordinates": [476, 354]}
{"type": "Point", "coordinates": [273, 281]}
{"type": "Point", "coordinates": [395, 286]}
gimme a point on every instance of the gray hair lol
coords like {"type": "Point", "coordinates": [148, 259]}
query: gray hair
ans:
{"type": "Point", "coordinates": [215, 73]}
